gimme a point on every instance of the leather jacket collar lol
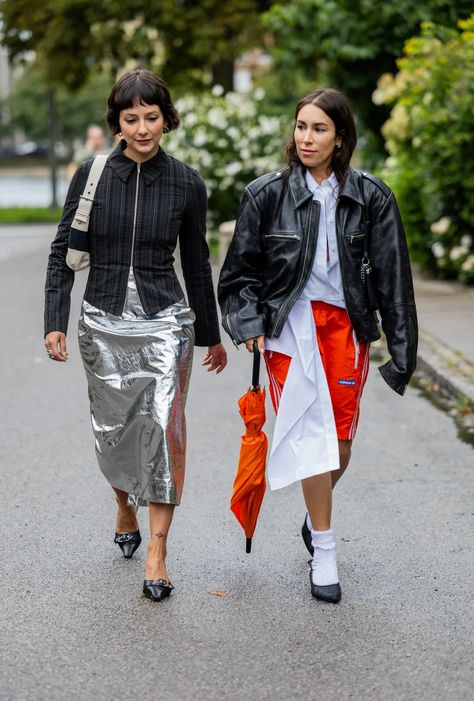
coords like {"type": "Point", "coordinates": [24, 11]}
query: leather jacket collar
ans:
{"type": "Point", "coordinates": [300, 192]}
{"type": "Point", "coordinates": [123, 166]}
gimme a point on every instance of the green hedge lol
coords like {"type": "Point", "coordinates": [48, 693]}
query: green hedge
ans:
{"type": "Point", "coordinates": [429, 137]}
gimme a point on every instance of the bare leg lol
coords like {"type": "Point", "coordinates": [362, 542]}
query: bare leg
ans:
{"type": "Point", "coordinates": [126, 521]}
{"type": "Point", "coordinates": [317, 492]}
{"type": "Point", "coordinates": [161, 516]}
{"type": "Point", "coordinates": [344, 458]}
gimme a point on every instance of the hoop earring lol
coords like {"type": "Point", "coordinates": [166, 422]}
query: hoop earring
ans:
{"type": "Point", "coordinates": [120, 134]}
{"type": "Point", "coordinates": [166, 130]}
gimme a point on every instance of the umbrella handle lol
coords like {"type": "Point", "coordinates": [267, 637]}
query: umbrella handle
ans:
{"type": "Point", "coordinates": [256, 367]}
{"type": "Point", "coordinates": [248, 545]}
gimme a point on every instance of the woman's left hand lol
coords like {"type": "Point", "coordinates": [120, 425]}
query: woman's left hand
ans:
{"type": "Point", "coordinates": [216, 358]}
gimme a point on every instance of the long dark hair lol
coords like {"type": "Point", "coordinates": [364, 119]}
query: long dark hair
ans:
{"type": "Point", "coordinates": [338, 108]}
{"type": "Point", "coordinates": [140, 87]}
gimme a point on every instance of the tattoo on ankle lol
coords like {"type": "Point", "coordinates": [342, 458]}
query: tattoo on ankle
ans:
{"type": "Point", "coordinates": [159, 535]}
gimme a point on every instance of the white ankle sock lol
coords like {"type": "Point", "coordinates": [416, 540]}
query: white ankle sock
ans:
{"type": "Point", "coordinates": [324, 565]}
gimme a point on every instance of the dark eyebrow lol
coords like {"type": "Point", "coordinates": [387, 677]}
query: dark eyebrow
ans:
{"type": "Point", "coordinates": [130, 113]}
{"type": "Point", "coordinates": [316, 124]}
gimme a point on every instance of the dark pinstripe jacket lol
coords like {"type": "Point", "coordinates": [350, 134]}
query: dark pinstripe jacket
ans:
{"type": "Point", "coordinates": [171, 204]}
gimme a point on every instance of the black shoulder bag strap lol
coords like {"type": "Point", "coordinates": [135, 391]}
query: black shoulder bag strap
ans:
{"type": "Point", "coordinates": [256, 368]}
{"type": "Point", "coordinates": [365, 267]}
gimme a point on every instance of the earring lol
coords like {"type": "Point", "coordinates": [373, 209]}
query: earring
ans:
{"type": "Point", "coordinates": [338, 145]}
{"type": "Point", "coordinates": [166, 130]}
{"type": "Point", "coordinates": [120, 134]}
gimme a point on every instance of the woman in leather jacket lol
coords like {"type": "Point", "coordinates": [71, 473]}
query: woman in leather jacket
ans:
{"type": "Point", "coordinates": [317, 248]}
{"type": "Point", "coordinates": [136, 330]}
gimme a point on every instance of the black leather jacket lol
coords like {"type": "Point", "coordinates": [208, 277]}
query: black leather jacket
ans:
{"type": "Point", "coordinates": [272, 252]}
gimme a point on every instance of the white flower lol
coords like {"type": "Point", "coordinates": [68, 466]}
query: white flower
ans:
{"type": "Point", "coordinates": [200, 138]}
{"type": "Point", "coordinates": [468, 264]}
{"type": "Point", "coordinates": [217, 90]}
{"type": "Point", "coordinates": [457, 252]}
{"type": "Point", "coordinates": [466, 241]}
{"type": "Point", "coordinates": [190, 120]}
{"type": "Point", "coordinates": [217, 118]}
{"type": "Point", "coordinates": [258, 94]}
{"type": "Point", "coordinates": [234, 133]}
{"type": "Point", "coordinates": [233, 99]}
{"type": "Point", "coordinates": [233, 168]}
{"type": "Point", "coordinates": [441, 226]}
{"type": "Point", "coordinates": [438, 249]}
{"type": "Point", "coordinates": [206, 159]}
{"type": "Point", "coordinates": [378, 97]}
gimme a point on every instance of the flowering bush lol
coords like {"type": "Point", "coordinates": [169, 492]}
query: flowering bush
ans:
{"type": "Point", "coordinates": [429, 137]}
{"type": "Point", "coordinates": [230, 142]}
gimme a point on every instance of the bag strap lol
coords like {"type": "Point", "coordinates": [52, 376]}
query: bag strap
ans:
{"type": "Point", "coordinates": [86, 200]}
{"type": "Point", "coordinates": [255, 367]}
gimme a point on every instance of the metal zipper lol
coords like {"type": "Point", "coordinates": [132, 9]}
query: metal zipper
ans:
{"type": "Point", "coordinates": [299, 286]}
{"type": "Point", "coordinates": [355, 237]}
{"type": "Point", "coordinates": [283, 236]}
{"type": "Point", "coordinates": [134, 226]}
{"type": "Point", "coordinates": [135, 213]}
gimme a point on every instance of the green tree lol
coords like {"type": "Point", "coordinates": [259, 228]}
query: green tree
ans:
{"type": "Point", "coordinates": [28, 106]}
{"type": "Point", "coordinates": [70, 38]}
{"type": "Point", "coordinates": [431, 144]}
{"type": "Point", "coordinates": [186, 41]}
{"type": "Point", "coordinates": [348, 44]}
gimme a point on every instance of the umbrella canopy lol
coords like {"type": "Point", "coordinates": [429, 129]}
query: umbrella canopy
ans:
{"type": "Point", "coordinates": [249, 484]}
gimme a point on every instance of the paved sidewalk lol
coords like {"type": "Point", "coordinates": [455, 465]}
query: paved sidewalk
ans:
{"type": "Point", "coordinates": [446, 321]}
{"type": "Point", "coordinates": [74, 624]}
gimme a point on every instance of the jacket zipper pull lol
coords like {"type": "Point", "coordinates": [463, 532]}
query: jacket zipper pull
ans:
{"type": "Point", "coordinates": [365, 269]}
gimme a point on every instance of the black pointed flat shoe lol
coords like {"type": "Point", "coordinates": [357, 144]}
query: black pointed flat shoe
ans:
{"type": "Point", "coordinates": [330, 593]}
{"type": "Point", "coordinates": [306, 533]}
{"type": "Point", "coordinates": [128, 542]}
{"type": "Point", "coordinates": [157, 589]}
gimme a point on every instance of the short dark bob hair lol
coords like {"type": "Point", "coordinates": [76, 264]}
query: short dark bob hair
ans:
{"type": "Point", "coordinates": [338, 108]}
{"type": "Point", "coordinates": [140, 87]}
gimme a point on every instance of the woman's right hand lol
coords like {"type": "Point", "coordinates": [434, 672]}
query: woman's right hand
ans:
{"type": "Point", "coordinates": [55, 344]}
{"type": "Point", "coordinates": [260, 342]}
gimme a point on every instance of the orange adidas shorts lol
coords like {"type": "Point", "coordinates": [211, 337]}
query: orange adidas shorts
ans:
{"type": "Point", "coordinates": [345, 362]}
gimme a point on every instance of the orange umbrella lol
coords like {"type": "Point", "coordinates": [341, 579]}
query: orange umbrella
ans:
{"type": "Point", "coordinates": [249, 484]}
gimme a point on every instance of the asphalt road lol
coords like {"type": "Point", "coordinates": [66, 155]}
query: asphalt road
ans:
{"type": "Point", "coordinates": [73, 622]}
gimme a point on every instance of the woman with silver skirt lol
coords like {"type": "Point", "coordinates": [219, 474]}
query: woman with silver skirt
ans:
{"type": "Point", "coordinates": [136, 330]}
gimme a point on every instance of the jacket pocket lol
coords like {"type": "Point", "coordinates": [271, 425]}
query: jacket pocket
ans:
{"type": "Point", "coordinates": [354, 236]}
{"type": "Point", "coordinates": [282, 234]}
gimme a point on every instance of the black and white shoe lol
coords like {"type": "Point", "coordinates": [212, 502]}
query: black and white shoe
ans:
{"type": "Point", "coordinates": [306, 533]}
{"type": "Point", "coordinates": [330, 593]}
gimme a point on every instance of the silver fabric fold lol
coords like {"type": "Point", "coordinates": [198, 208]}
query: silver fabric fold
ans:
{"type": "Point", "coordinates": [138, 369]}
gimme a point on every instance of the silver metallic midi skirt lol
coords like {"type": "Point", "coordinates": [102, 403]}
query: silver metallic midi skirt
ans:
{"type": "Point", "coordinates": [138, 369]}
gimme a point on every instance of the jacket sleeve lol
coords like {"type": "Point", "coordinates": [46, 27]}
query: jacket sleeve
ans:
{"type": "Point", "coordinates": [241, 278]}
{"type": "Point", "coordinates": [390, 260]}
{"type": "Point", "coordinates": [59, 277]}
{"type": "Point", "coordinates": [197, 272]}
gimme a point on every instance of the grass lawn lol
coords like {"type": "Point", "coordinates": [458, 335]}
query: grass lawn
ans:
{"type": "Point", "coordinates": [29, 215]}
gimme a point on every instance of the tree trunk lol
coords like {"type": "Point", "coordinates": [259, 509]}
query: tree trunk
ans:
{"type": "Point", "coordinates": [223, 74]}
{"type": "Point", "coordinates": [53, 132]}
